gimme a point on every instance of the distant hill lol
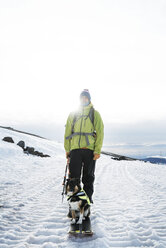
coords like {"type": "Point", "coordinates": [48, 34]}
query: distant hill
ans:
{"type": "Point", "coordinates": [15, 130]}
{"type": "Point", "coordinates": [155, 160]}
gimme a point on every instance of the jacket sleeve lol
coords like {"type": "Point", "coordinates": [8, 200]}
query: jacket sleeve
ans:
{"type": "Point", "coordinates": [99, 127]}
{"type": "Point", "coordinates": [68, 130]}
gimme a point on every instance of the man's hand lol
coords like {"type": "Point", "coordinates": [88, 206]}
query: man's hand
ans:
{"type": "Point", "coordinates": [96, 156]}
{"type": "Point", "coordinates": [68, 157]}
{"type": "Point", "coordinates": [67, 154]}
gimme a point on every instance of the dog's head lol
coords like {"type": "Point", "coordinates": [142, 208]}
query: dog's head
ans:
{"type": "Point", "coordinates": [72, 186]}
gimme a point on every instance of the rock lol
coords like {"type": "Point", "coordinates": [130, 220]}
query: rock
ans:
{"type": "Point", "coordinates": [122, 158]}
{"type": "Point", "coordinates": [29, 150]}
{"type": "Point", "coordinates": [8, 139]}
{"type": "Point", "coordinates": [21, 143]}
{"type": "Point", "coordinates": [46, 155]}
{"type": "Point", "coordinates": [114, 158]}
{"type": "Point", "coordinates": [36, 153]}
{"type": "Point", "coordinates": [41, 154]}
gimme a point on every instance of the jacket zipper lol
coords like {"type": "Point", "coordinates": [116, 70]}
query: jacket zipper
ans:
{"type": "Point", "coordinates": [80, 129]}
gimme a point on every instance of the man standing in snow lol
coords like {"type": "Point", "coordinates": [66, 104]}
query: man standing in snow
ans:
{"type": "Point", "coordinates": [83, 141]}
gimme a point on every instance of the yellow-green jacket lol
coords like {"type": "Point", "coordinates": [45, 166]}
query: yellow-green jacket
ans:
{"type": "Point", "coordinates": [84, 125]}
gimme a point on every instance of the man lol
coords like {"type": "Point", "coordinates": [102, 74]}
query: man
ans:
{"type": "Point", "coordinates": [83, 141]}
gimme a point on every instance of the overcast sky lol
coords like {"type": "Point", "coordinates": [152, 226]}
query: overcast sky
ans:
{"type": "Point", "coordinates": [51, 50]}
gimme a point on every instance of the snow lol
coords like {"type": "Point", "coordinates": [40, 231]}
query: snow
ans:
{"type": "Point", "coordinates": [129, 207]}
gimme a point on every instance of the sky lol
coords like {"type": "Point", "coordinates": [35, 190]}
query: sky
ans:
{"type": "Point", "coordinates": [51, 50]}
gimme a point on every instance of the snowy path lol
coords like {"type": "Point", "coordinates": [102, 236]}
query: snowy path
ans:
{"type": "Point", "coordinates": [129, 207]}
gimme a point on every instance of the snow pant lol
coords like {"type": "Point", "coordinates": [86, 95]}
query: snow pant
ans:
{"type": "Point", "coordinates": [82, 159]}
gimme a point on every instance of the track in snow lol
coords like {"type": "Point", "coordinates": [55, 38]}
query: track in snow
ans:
{"type": "Point", "coordinates": [131, 203]}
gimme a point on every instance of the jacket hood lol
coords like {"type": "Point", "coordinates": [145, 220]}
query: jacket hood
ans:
{"type": "Point", "coordinates": [85, 108]}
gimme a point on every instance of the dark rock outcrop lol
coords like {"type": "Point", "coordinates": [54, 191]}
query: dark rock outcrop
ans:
{"type": "Point", "coordinates": [31, 150]}
{"type": "Point", "coordinates": [21, 143]}
{"type": "Point", "coordinates": [28, 150]}
{"type": "Point", "coordinates": [8, 139]}
{"type": "Point", "coordinates": [120, 158]}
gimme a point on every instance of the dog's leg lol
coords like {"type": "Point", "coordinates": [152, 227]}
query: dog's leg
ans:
{"type": "Point", "coordinates": [86, 211]}
{"type": "Point", "coordinates": [80, 219]}
{"type": "Point", "coordinates": [73, 221]}
{"type": "Point", "coordinates": [81, 216]}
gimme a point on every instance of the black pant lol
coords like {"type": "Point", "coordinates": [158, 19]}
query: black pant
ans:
{"type": "Point", "coordinates": [83, 158]}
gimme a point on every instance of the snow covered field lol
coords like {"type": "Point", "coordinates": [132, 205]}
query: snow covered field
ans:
{"type": "Point", "coordinates": [129, 207]}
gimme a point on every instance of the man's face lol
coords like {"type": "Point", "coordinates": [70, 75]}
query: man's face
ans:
{"type": "Point", "coordinates": [84, 100]}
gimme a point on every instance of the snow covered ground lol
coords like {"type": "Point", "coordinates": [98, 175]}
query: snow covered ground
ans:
{"type": "Point", "coordinates": [129, 207]}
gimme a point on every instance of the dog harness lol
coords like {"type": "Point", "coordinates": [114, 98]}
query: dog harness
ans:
{"type": "Point", "coordinates": [81, 195]}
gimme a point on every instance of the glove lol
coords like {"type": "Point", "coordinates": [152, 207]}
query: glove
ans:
{"type": "Point", "coordinates": [96, 156]}
{"type": "Point", "coordinates": [67, 154]}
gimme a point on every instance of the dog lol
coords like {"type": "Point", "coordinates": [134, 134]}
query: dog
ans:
{"type": "Point", "coordinates": [79, 203]}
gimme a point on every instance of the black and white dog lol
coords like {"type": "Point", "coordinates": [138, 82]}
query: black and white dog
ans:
{"type": "Point", "coordinates": [79, 203]}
